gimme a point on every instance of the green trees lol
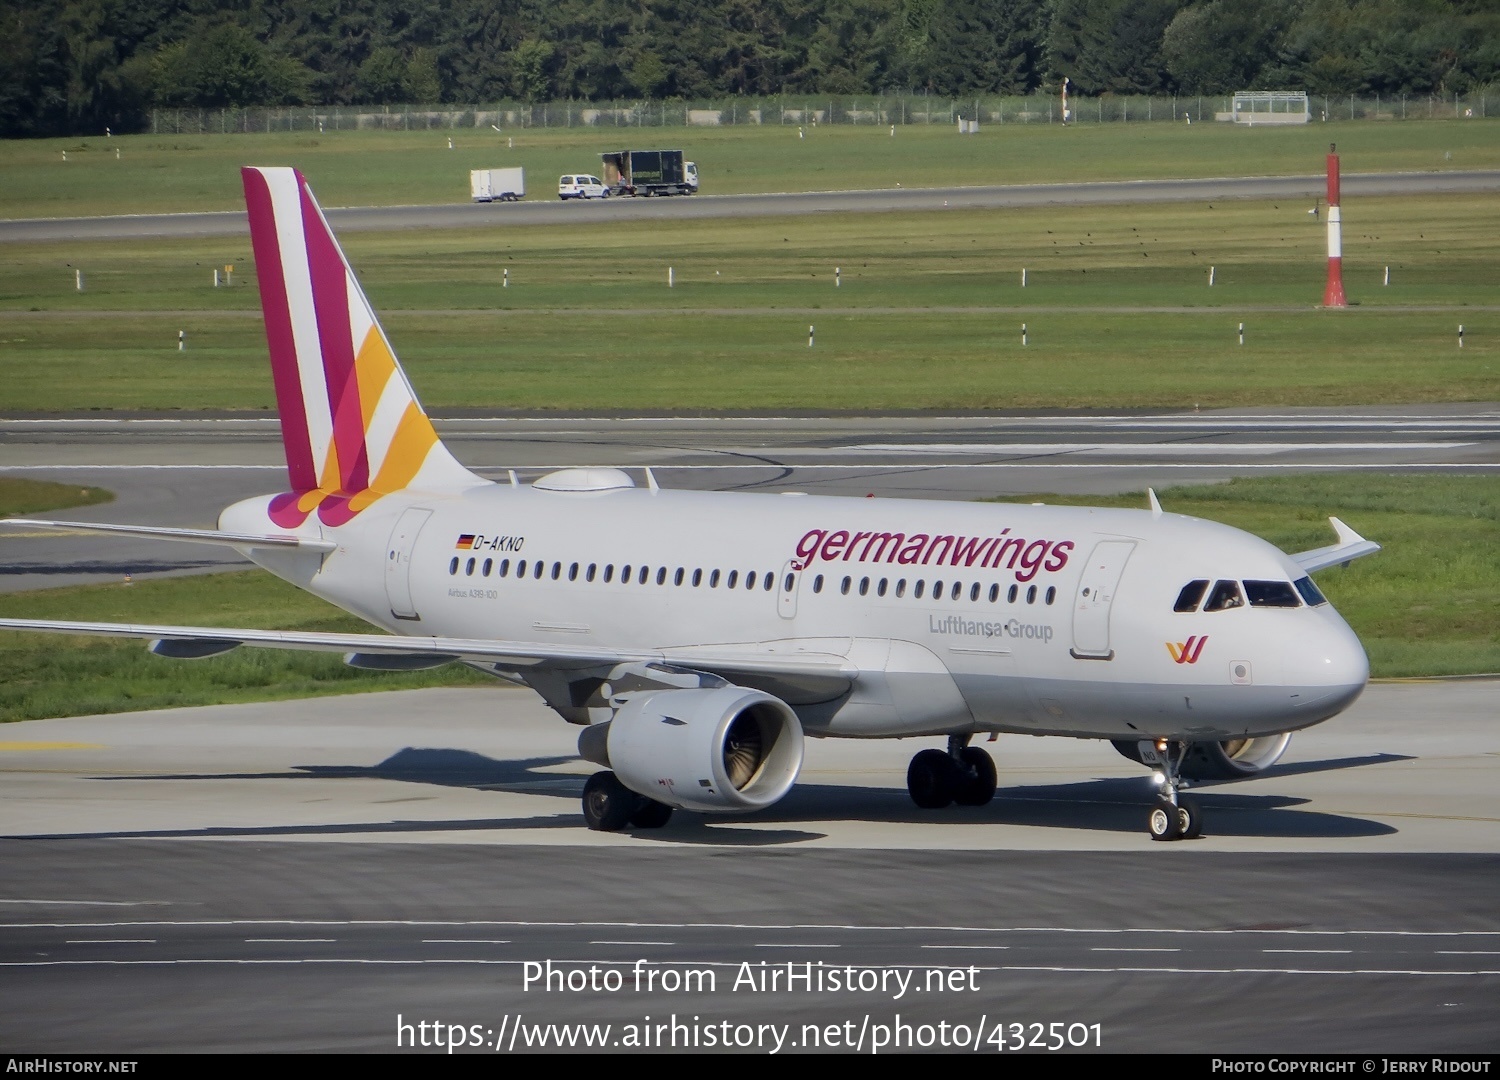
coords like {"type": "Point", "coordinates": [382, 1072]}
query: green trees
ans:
{"type": "Point", "coordinates": [81, 65]}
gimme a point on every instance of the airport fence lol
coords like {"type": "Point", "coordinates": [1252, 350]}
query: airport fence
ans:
{"type": "Point", "coordinates": [875, 111]}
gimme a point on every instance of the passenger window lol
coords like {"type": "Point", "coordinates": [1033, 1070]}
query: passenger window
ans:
{"type": "Point", "coordinates": [1309, 591]}
{"type": "Point", "coordinates": [556, 570]}
{"type": "Point", "coordinates": [573, 572]}
{"type": "Point", "coordinates": [917, 590]}
{"type": "Point", "coordinates": [1191, 594]}
{"type": "Point", "coordinates": [469, 568]}
{"type": "Point", "coordinates": [588, 575]}
{"type": "Point", "coordinates": [995, 593]}
{"type": "Point", "coordinates": [713, 580]}
{"type": "Point", "coordinates": [677, 577]}
{"type": "Point", "coordinates": [521, 568]}
{"type": "Point", "coordinates": [504, 567]}
{"type": "Point", "coordinates": [536, 569]}
{"type": "Point", "coordinates": [1031, 595]}
{"type": "Point", "coordinates": [974, 592]}
{"type": "Point", "coordinates": [1051, 594]}
{"type": "Point", "coordinates": [844, 588]}
{"type": "Point", "coordinates": [642, 575]}
{"type": "Point", "coordinates": [625, 575]}
{"type": "Point", "coordinates": [1010, 597]}
{"type": "Point", "coordinates": [817, 583]}
{"type": "Point", "coordinates": [1226, 595]}
{"type": "Point", "coordinates": [900, 588]}
{"type": "Point", "coordinates": [453, 566]}
{"type": "Point", "coordinates": [661, 576]}
{"type": "Point", "coordinates": [864, 586]}
{"type": "Point", "coordinates": [609, 572]}
{"type": "Point", "coordinates": [880, 589]}
{"type": "Point", "coordinates": [937, 590]}
{"type": "Point", "coordinates": [1271, 594]}
{"type": "Point", "coordinates": [697, 578]}
{"type": "Point", "coordinates": [488, 564]}
{"type": "Point", "coordinates": [734, 579]}
{"type": "Point", "coordinates": [750, 580]}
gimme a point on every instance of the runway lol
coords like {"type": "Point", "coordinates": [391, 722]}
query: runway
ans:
{"type": "Point", "coordinates": [313, 875]}
{"type": "Point", "coordinates": [298, 876]}
{"type": "Point", "coordinates": [548, 212]}
{"type": "Point", "coordinates": [181, 471]}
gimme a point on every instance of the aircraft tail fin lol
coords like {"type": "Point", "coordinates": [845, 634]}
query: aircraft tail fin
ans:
{"type": "Point", "coordinates": [351, 426]}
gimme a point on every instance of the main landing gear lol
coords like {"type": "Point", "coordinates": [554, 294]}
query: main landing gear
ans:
{"type": "Point", "coordinates": [1174, 816]}
{"type": "Point", "coordinates": [609, 806]}
{"type": "Point", "coordinates": [962, 774]}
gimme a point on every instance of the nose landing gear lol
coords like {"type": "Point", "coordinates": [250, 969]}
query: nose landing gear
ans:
{"type": "Point", "coordinates": [962, 774]}
{"type": "Point", "coordinates": [1174, 816]}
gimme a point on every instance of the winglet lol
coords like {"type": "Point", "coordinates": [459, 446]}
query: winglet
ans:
{"type": "Point", "coordinates": [1155, 503]}
{"type": "Point", "coordinates": [1351, 546]}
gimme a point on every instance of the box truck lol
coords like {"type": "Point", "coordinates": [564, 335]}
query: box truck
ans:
{"type": "Point", "coordinates": [497, 185]}
{"type": "Point", "coordinates": [649, 172]}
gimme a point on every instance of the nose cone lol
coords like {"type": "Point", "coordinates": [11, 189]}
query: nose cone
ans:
{"type": "Point", "coordinates": [1329, 665]}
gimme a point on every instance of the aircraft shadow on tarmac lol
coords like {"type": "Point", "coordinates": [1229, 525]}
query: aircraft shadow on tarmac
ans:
{"type": "Point", "coordinates": [1101, 804]}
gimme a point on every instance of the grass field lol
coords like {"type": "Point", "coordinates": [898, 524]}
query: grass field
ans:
{"type": "Point", "coordinates": [927, 315]}
{"type": "Point", "coordinates": [169, 174]}
{"type": "Point", "coordinates": [1428, 604]}
{"type": "Point", "coordinates": [18, 496]}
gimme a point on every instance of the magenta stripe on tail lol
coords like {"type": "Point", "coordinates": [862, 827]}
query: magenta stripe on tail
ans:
{"type": "Point", "coordinates": [301, 472]}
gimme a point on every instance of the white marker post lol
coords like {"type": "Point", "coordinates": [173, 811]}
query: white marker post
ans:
{"type": "Point", "coordinates": [1023, 277]}
{"type": "Point", "coordinates": [1211, 277]}
{"type": "Point", "coordinates": [838, 278]}
{"type": "Point", "coordinates": [1242, 333]}
{"type": "Point", "coordinates": [1023, 333]}
{"type": "Point", "coordinates": [1387, 280]}
{"type": "Point", "coordinates": [216, 277]}
{"type": "Point", "coordinates": [78, 280]}
{"type": "Point", "coordinates": [809, 336]}
{"type": "Point", "coordinates": [1460, 335]}
{"type": "Point", "coordinates": [505, 280]}
{"type": "Point", "coordinates": [671, 283]}
{"type": "Point", "coordinates": [181, 340]}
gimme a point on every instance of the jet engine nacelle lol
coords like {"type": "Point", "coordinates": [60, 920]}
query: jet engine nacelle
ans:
{"type": "Point", "coordinates": [1232, 759]}
{"type": "Point", "coordinates": [723, 750]}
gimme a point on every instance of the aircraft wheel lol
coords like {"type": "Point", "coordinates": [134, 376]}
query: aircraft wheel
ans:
{"type": "Point", "coordinates": [651, 815]}
{"type": "Point", "coordinates": [931, 779]}
{"type": "Point", "coordinates": [976, 783]}
{"type": "Point", "coordinates": [1164, 822]}
{"type": "Point", "coordinates": [608, 805]}
{"type": "Point", "coordinates": [1189, 817]}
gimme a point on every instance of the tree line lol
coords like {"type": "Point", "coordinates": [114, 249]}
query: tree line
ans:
{"type": "Point", "coordinates": [78, 66]}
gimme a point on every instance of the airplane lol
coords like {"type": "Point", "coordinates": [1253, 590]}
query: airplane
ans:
{"type": "Point", "coordinates": [697, 638]}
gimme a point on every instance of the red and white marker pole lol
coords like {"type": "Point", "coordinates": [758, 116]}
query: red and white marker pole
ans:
{"type": "Point", "coordinates": [1333, 295]}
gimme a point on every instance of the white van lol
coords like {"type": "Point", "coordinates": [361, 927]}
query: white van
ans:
{"type": "Point", "coordinates": [581, 187]}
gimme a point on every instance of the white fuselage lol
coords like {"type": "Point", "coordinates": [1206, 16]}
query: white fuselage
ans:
{"type": "Point", "coordinates": [959, 617]}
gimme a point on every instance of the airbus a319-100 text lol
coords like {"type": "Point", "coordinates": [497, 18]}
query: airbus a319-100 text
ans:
{"type": "Point", "coordinates": [699, 637]}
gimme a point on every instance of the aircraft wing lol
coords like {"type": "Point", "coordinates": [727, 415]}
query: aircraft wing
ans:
{"type": "Point", "coordinates": [829, 671]}
{"type": "Point", "coordinates": [191, 536]}
{"type": "Point", "coordinates": [1350, 546]}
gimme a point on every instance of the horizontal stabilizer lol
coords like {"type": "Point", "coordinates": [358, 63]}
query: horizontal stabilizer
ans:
{"type": "Point", "coordinates": [1350, 546]}
{"type": "Point", "coordinates": [190, 536]}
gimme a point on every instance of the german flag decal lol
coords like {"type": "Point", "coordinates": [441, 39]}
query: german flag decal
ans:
{"type": "Point", "coordinates": [465, 542]}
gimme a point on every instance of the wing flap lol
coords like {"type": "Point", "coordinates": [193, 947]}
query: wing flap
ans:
{"type": "Point", "coordinates": [1350, 546]}
{"type": "Point", "coordinates": [179, 641]}
{"type": "Point", "coordinates": [190, 536]}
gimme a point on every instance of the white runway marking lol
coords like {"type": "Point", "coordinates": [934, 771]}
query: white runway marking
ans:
{"type": "Point", "coordinates": [849, 466]}
{"type": "Point", "coordinates": [1119, 449]}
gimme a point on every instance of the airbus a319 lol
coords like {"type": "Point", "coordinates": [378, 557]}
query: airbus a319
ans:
{"type": "Point", "coordinates": [697, 638]}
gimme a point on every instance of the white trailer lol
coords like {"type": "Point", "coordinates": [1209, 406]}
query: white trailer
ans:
{"type": "Point", "coordinates": [497, 185]}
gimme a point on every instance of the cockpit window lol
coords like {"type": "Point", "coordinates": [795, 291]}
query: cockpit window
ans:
{"type": "Point", "coordinates": [1271, 594]}
{"type": "Point", "coordinates": [1226, 595]}
{"type": "Point", "coordinates": [1309, 591]}
{"type": "Point", "coordinates": [1191, 594]}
